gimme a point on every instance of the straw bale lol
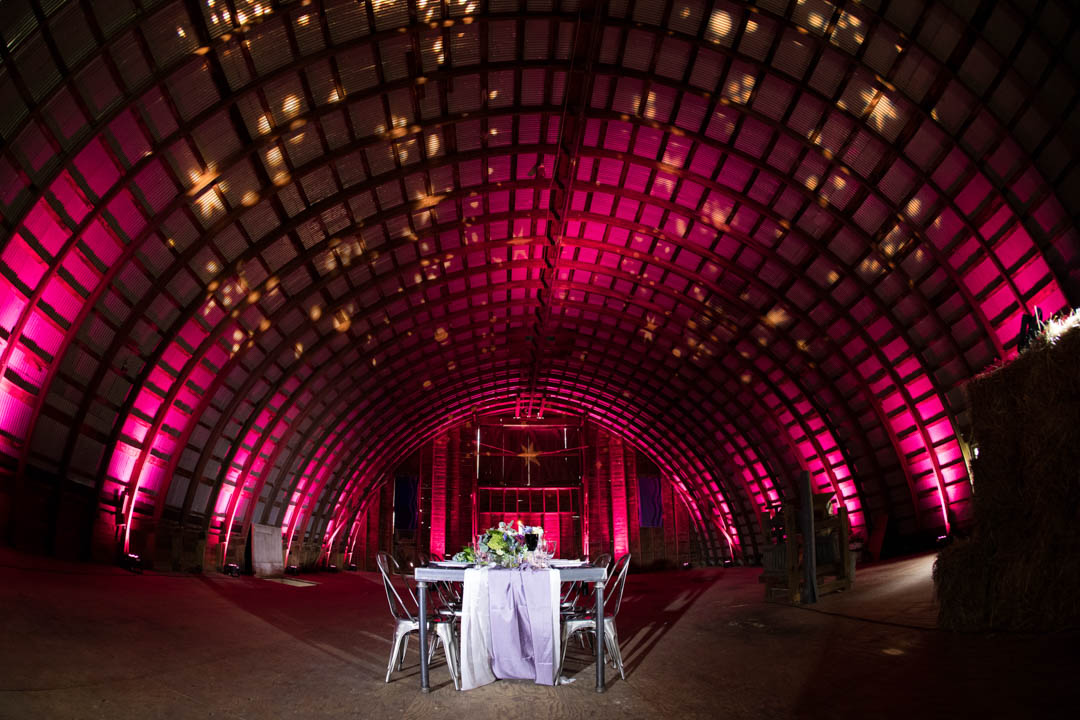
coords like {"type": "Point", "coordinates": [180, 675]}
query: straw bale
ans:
{"type": "Point", "coordinates": [1021, 568]}
{"type": "Point", "coordinates": [962, 582]}
{"type": "Point", "coordinates": [979, 589]}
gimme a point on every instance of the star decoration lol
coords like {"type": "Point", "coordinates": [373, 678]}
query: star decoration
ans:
{"type": "Point", "coordinates": [529, 454]}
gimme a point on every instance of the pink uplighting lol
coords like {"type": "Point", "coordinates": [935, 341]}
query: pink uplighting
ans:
{"type": "Point", "coordinates": [247, 298]}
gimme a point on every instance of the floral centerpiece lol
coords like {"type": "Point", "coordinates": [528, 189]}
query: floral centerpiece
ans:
{"type": "Point", "coordinates": [506, 545]}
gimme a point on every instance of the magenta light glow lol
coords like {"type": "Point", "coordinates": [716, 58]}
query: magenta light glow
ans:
{"type": "Point", "coordinates": [800, 284]}
{"type": "Point", "coordinates": [438, 517]}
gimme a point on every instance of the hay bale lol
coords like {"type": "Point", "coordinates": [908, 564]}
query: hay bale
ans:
{"type": "Point", "coordinates": [1031, 596]}
{"type": "Point", "coordinates": [978, 589]}
{"type": "Point", "coordinates": [962, 581]}
{"type": "Point", "coordinates": [1021, 568]}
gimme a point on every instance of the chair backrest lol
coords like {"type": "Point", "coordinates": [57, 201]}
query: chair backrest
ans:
{"type": "Point", "coordinates": [398, 608]}
{"type": "Point", "coordinates": [614, 587]}
{"type": "Point", "coordinates": [446, 595]}
{"type": "Point", "coordinates": [603, 560]}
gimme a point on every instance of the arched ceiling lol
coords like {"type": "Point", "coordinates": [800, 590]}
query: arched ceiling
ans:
{"type": "Point", "coordinates": [255, 252]}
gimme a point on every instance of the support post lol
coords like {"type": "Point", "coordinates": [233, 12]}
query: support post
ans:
{"type": "Point", "coordinates": [809, 534]}
{"type": "Point", "coordinates": [600, 636]}
{"type": "Point", "coordinates": [422, 601]}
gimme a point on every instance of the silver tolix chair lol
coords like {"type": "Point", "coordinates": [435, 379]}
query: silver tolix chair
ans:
{"type": "Point", "coordinates": [576, 598]}
{"type": "Point", "coordinates": [586, 620]}
{"type": "Point", "coordinates": [406, 622]}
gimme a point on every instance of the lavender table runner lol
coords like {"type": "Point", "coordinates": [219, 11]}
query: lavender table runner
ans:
{"type": "Point", "coordinates": [511, 631]}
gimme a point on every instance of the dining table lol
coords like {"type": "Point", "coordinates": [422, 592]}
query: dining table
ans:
{"type": "Point", "coordinates": [433, 573]}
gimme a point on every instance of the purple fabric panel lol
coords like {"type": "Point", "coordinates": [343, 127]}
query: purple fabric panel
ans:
{"type": "Point", "coordinates": [651, 501]}
{"type": "Point", "coordinates": [511, 639]}
{"type": "Point", "coordinates": [538, 594]}
{"type": "Point", "coordinates": [522, 645]}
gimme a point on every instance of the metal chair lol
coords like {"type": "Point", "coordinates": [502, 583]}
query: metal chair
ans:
{"type": "Point", "coordinates": [586, 621]}
{"type": "Point", "coordinates": [576, 598]}
{"type": "Point", "coordinates": [448, 597]}
{"type": "Point", "coordinates": [407, 622]}
{"type": "Point", "coordinates": [449, 600]}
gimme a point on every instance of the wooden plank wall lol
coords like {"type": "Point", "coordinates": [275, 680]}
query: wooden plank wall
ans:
{"type": "Point", "coordinates": [633, 500]}
{"type": "Point", "coordinates": [597, 474]}
{"type": "Point", "coordinates": [375, 517]}
{"type": "Point", "coordinates": [620, 531]}
{"type": "Point", "coordinates": [611, 469]}
{"type": "Point", "coordinates": [437, 494]}
{"type": "Point", "coordinates": [455, 503]}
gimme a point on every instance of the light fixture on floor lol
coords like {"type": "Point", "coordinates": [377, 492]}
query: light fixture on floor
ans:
{"type": "Point", "coordinates": [131, 562]}
{"type": "Point", "coordinates": [231, 569]}
{"type": "Point", "coordinates": [292, 570]}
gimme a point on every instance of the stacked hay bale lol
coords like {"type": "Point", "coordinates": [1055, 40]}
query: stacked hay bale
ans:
{"type": "Point", "coordinates": [1020, 569]}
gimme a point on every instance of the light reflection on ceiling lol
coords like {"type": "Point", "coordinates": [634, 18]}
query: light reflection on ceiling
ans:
{"type": "Point", "coordinates": [254, 252]}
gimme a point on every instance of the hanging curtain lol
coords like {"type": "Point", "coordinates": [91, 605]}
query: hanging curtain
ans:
{"type": "Point", "coordinates": [406, 509]}
{"type": "Point", "coordinates": [651, 505]}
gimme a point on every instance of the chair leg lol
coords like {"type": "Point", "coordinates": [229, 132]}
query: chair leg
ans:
{"type": "Point", "coordinates": [451, 664]}
{"type": "Point", "coordinates": [395, 653]}
{"type": "Point", "coordinates": [455, 648]}
{"type": "Point", "coordinates": [613, 648]}
{"type": "Point", "coordinates": [446, 637]}
{"type": "Point", "coordinates": [404, 650]}
{"type": "Point", "coordinates": [562, 659]}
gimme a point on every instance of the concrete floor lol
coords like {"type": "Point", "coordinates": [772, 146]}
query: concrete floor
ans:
{"type": "Point", "coordinates": [79, 641]}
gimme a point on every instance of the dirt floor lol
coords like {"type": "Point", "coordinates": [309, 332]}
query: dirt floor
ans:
{"type": "Point", "coordinates": [82, 641]}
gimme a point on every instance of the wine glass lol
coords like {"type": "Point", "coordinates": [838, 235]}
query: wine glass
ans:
{"type": "Point", "coordinates": [481, 557]}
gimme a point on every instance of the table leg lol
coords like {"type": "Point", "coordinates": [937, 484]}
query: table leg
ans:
{"type": "Point", "coordinates": [422, 602]}
{"type": "Point", "coordinates": [600, 637]}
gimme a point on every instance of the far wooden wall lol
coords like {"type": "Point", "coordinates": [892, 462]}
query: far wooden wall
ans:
{"type": "Point", "coordinates": [611, 469]}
